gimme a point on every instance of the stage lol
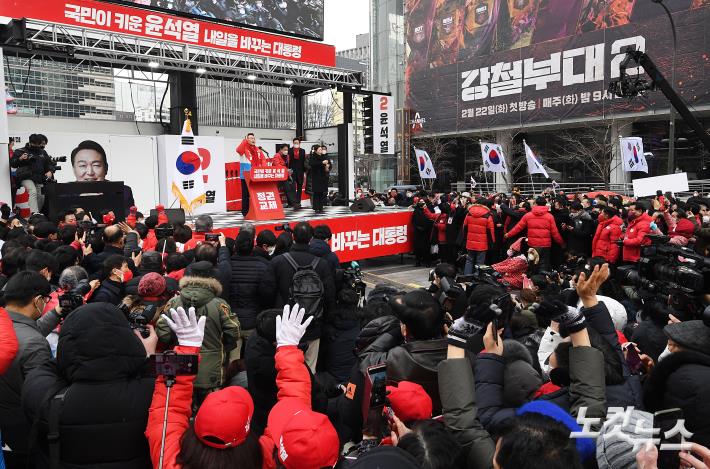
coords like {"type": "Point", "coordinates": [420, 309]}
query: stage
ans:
{"type": "Point", "coordinates": [384, 232]}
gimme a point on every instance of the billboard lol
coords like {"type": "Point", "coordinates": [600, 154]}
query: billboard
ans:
{"type": "Point", "coordinates": [104, 16]}
{"type": "Point", "coordinates": [476, 64]}
{"type": "Point", "coordinates": [298, 17]}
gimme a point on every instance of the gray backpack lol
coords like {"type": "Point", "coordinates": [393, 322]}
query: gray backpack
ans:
{"type": "Point", "coordinates": [306, 288]}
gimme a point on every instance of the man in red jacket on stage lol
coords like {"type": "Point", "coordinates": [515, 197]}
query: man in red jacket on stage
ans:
{"type": "Point", "coordinates": [541, 231]}
{"type": "Point", "coordinates": [249, 155]}
{"type": "Point", "coordinates": [478, 224]}
{"type": "Point", "coordinates": [639, 225]}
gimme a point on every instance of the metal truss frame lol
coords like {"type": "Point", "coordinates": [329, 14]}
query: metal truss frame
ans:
{"type": "Point", "coordinates": [127, 51]}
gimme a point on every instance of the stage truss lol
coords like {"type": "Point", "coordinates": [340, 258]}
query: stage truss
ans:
{"type": "Point", "coordinates": [126, 51]}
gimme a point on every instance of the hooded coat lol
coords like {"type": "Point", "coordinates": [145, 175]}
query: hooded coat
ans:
{"type": "Point", "coordinates": [604, 241]}
{"type": "Point", "coordinates": [101, 365]}
{"type": "Point", "coordinates": [221, 329]}
{"type": "Point", "coordinates": [579, 239]}
{"type": "Point", "coordinates": [478, 225]}
{"type": "Point", "coordinates": [636, 233]}
{"type": "Point", "coordinates": [541, 228]}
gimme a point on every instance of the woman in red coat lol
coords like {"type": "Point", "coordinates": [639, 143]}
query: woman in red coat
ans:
{"type": "Point", "coordinates": [607, 234]}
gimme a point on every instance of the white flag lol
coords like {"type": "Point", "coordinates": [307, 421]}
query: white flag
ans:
{"type": "Point", "coordinates": [188, 181]}
{"type": "Point", "coordinates": [473, 183]}
{"type": "Point", "coordinates": [555, 186]}
{"type": "Point", "coordinates": [534, 165]}
{"type": "Point", "coordinates": [493, 158]}
{"type": "Point", "coordinates": [426, 169]}
{"type": "Point", "coordinates": [632, 154]}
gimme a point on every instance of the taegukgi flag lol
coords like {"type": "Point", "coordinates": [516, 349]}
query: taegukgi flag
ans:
{"type": "Point", "coordinates": [426, 168]}
{"type": "Point", "coordinates": [632, 154]}
{"type": "Point", "coordinates": [534, 165]}
{"type": "Point", "coordinates": [188, 180]}
{"type": "Point", "coordinates": [493, 158]}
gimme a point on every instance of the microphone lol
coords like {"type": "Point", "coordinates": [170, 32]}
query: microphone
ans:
{"type": "Point", "coordinates": [265, 152]}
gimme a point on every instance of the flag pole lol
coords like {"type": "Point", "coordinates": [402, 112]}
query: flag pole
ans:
{"type": "Point", "coordinates": [532, 183]}
{"type": "Point", "coordinates": [483, 167]}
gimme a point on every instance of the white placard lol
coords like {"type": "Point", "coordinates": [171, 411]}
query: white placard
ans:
{"type": "Point", "coordinates": [670, 183]}
{"type": "Point", "coordinates": [211, 151]}
{"type": "Point", "coordinates": [383, 128]}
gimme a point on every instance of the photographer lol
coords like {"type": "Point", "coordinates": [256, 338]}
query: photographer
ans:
{"type": "Point", "coordinates": [450, 296]}
{"type": "Point", "coordinates": [34, 169]}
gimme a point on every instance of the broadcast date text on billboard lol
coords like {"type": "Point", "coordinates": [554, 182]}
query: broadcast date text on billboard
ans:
{"type": "Point", "coordinates": [484, 63]}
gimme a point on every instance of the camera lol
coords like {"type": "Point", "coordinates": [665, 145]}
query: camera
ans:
{"type": "Point", "coordinates": [285, 227]}
{"type": "Point", "coordinates": [164, 232]}
{"type": "Point", "coordinates": [482, 274]}
{"type": "Point", "coordinates": [139, 320]}
{"type": "Point", "coordinates": [352, 279]}
{"type": "Point", "coordinates": [660, 272]}
{"type": "Point", "coordinates": [209, 237]}
{"type": "Point", "coordinates": [450, 292]}
{"type": "Point", "coordinates": [74, 298]}
{"type": "Point", "coordinates": [171, 364]}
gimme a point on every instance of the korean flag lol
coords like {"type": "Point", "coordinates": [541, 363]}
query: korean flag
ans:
{"type": "Point", "coordinates": [632, 154]}
{"type": "Point", "coordinates": [493, 158]}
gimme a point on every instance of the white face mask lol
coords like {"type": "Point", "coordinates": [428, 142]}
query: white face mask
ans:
{"type": "Point", "coordinates": [271, 250]}
{"type": "Point", "coordinates": [531, 258]}
{"type": "Point", "coordinates": [664, 354]}
{"type": "Point", "coordinates": [706, 219]}
{"type": "Point", "coordinates": [510, 253]}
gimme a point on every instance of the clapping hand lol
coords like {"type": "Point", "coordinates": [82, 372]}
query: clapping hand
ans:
{"type": "Point", "coordinates": [290, 326]}
{"type": "Point", "coordinates": [189, 330]}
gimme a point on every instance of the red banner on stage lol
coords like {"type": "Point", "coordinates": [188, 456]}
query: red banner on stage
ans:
{"type": "Point", "coordinates": [360, 237]}
{"type": "Point", "coordinates": [151, 24]}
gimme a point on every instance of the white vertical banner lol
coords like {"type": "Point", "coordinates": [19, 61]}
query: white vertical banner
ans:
{"type": "Point", "coordinates": [174, 158]}
{"type": "Point", "coordinates": [5, 193]}
{"type": "Point", "coordinates": [632, 154]}
{"type": "Point", "coordinates": [383, 124]}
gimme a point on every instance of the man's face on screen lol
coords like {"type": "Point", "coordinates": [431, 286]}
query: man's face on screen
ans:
{"type": "Point", "coordinates": [89, 166]}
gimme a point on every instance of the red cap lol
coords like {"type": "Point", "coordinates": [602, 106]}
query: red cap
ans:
{"type": "Point", "coordinates": [224, 418]}
{"type": "Point", "coordinates": [409, 401]}
{"type": "Point", "coordinates": [304, 439]}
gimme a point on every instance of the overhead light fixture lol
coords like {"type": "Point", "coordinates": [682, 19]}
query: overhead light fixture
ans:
{"type": "Point", "coordinates": [153, 64]}
{"type": "Point", "coordinates": [251, 77]}
{"type": "Point", "coordinates": [289, 82]}
{"type": "Point", "coordinates": [201, 71]}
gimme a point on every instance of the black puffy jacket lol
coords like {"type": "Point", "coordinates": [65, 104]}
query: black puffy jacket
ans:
{"type": "Point", "coordinates": [101, 365]}
{"type": "Point", "coordinates": [246, 297]}
{"type": "Point", "coordinates": [337, 345]}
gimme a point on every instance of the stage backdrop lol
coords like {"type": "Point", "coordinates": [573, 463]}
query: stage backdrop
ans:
{"type": "Point", "coordinates": [482, 63]}
{"type": "Point", "coordinates": [211, 152]}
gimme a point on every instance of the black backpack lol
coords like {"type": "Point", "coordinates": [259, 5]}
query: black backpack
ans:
{"type": "Point", "coordinates": [306, 287]}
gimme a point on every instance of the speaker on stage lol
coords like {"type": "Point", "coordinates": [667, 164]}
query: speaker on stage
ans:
{"type": "Point", "coordinates": [362, 206]}
{"type": "Point", "coordinates": [175, 215]}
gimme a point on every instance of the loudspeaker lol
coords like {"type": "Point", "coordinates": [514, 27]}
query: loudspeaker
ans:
{"type": "Point", "coordinates": [363, 205]}
{"type": "Point", "coordinates": [175, 215]}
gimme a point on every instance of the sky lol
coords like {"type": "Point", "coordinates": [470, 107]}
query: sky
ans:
{"type": "Point", "coordinates": [343, 20]}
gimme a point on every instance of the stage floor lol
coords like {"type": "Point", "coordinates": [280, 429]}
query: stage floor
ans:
{"type": "Point", "coordinates": [235, 219]}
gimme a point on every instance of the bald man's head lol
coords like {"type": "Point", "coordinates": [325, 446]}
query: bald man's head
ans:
{"type": "Point", "coordinates": [113, 236]}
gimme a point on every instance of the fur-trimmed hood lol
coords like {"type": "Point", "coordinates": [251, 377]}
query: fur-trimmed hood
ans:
{"type": "Point", "coordinates": [520, 379]}
{"type": "Point", "coordinates": [198, 291]}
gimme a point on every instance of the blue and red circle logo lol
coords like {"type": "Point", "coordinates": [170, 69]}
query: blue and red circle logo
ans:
{"type": "Point", "coordinates": [188, 163]}
{"type": "Point", "coordinates": [493, 157]}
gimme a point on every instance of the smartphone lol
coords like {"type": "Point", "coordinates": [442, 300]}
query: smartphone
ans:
{"type": "Point", "coordinates": [633, 359]}
{"type": "Point", "coordinates": [171, 364]}
{"type": "Point", "coordinates": [212, 237]}
{"type": "Point", "coordinates": [666, 420]}
{"type": "Point", "coordinates": [377, 376]}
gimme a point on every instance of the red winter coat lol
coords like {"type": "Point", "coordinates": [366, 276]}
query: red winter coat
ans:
{"type": "Point", "coordinates": [440, 228]}
{"type": "Point", "coordinates": [684, 228]}
{"type": "Point", "coordinates": [604, 242]}
{"type": "Point", "coordinates": [512, 269]}
{"type": "Point", "coordinates": [478, 223]}
{"type": "Point", "coordinates": [541, 228]}
{"type": "Point", "coordinates": [636, 237]}
{"type": "Point", "coordinates": [179, 412]}
{"type": "Point", "coordinates": [8, 339]}
{"type": "Point", "coordinates": [294, 382]}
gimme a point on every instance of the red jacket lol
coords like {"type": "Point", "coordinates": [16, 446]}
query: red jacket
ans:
{"type": "Point", "coordinates": [477, 224]}
{"type": "Point", "coordinates": [197, 239]}
{"type": "Point", "coordinates": [179, 412]}
{"type": "Point", "coordinates": [541, 228]}
{"type": "Point", "coordinates": [440, 227]}
{"type": "Point", "coordinates": [8, 339]}
{"type": "Point", "coordinates": [150, 242]}
{"type": "Point", "coordinates": [512, 269]}
{"type": "Point", "coordinates": [294, 382]}
{"type": "Point", "coordinates": [636, 237]}
{"type": "Point", "coordinates": [604, 241]}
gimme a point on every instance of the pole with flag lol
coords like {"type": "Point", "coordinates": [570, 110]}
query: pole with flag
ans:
{"type": "Point", "coordinates": [632, 154]}
{"type": "Point", "coordinates": [188, 180]}
{"type": "Point", "coordinates": [534, 165]}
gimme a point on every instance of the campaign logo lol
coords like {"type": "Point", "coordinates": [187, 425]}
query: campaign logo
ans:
{"type": "Point", "coordinates": [493, 157]}
{"type": "Point", "coordinates": [188, 163]}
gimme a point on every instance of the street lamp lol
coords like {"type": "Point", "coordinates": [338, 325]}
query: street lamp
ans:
{"type": "Point", "coordinates": [671, 127]}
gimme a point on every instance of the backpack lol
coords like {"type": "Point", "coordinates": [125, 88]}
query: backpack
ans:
{"type": "Point", "coordinates": [306, 287]}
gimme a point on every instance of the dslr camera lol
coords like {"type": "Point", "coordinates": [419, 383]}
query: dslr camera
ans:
{"type": "Point", "coordinates": [139, 320]}
{"type": "Point", "coordinates": [74, 298]}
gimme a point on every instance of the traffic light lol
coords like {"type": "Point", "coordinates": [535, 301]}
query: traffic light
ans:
{"type": "Point", "coordinates": [368, 115]}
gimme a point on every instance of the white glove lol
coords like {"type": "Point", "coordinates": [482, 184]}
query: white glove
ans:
{"type": "Point", "coordinates": [289, 329]}
{"type": "Point", "coordinates": [189, 330]}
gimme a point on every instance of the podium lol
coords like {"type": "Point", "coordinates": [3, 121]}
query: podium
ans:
{"type": "Point", "coordinates": [264, 198]}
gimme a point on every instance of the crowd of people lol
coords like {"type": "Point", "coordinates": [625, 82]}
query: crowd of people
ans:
{"type": "Point", "coordinates": [558, 331]}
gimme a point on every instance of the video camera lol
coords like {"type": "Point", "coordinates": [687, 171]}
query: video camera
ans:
{"type": "Point", "coordinates": [352, 279]}
{"type": "Point", "coordinates": [450, 291]}
{"type": "Point", "coordinates": [285, 227]}
{"type": "Point", "coordinates": [660, 272]}
{"type": "Point", "coordinates": [482, 274]}
{"type": "Point", "coordinates": [139, 320]}
{"type": "Point", "coordinates": [74, 298]}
